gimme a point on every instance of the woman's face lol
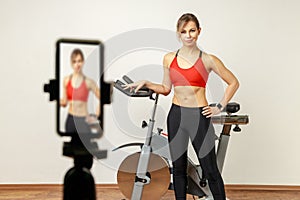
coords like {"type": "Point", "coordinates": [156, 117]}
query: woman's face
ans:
{"type": "Point", "coordinates": [77, 63]}
{"type": "Point", "coordinates": [189, 33]}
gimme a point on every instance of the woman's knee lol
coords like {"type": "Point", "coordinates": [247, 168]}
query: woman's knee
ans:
{"type": "Point", "coordinates": [213, 175]}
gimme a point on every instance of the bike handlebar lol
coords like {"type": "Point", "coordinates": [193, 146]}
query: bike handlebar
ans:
{"type": "Point", "coordinates": [143, 92]}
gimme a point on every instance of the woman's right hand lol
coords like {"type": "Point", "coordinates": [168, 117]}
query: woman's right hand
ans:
{"type": "Point", "coordinates": [136, 86]}
{"type": "Point", "coordinates": [63, 102]}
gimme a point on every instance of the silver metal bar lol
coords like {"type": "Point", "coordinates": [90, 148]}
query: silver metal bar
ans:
{"type": "Point", "coordinates": [142, 168]}
{"type": "Point", "coordinates": [151, 123]}
{"type": "Point", "coordinates": [222, 146]}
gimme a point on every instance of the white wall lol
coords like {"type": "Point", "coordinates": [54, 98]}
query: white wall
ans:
{"type": "Point", "coordinates": [257, 40]}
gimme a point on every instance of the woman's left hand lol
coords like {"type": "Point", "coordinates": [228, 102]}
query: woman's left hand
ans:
{"type": "Point", "coordinates": [91, 119]}
{"type": "Point", "coordinates": [209, 111]}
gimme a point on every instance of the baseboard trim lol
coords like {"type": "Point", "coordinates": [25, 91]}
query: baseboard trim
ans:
{"type": "Point", "coordinates": [29, 186]}
{"type": "Point", "coordinates": [263, 187]}
{"type": "Point", "coordinates": [49, 186]}
{"type": "Point", "coordinates": [115, 186]}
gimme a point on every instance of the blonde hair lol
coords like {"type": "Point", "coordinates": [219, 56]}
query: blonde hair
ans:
{"type": "Point", "coordinates": [76, 52]}
{"type": "Point", "coordinates": [185, 18]}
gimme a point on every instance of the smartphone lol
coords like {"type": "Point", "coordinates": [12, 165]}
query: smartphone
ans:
{"type": "Point", "coordinates": [79, 75]}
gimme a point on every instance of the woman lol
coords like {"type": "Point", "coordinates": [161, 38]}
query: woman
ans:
{"type": "Point", "coordinates": [189, 117]}
{"type": "Point", "coordinates": [76, 89]}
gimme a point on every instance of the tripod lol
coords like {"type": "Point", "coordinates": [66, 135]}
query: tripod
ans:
{"type": "Point", "coordinates": [78, 181]}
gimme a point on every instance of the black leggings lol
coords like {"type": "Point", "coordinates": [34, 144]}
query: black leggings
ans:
{"type": "Point", "coordinates": [184, 123]}
{"type": "Point", "coordinates": [77, 126]}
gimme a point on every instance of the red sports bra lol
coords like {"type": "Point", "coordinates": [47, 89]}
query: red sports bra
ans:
{"type": "Point", "coordinates": [193, 76]}
{"type": "Point", "coordinates": [77, 94]}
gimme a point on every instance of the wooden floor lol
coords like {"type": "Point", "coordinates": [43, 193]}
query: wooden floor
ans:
{"type": "Point", "coordinates": [54, 192]}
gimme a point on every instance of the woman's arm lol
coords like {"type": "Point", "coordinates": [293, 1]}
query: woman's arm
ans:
{"type": "Point", "coordinates": [163, 88]}
{"type": "Point", "coordinates": [95, 89]}
{"type": "Point", "coordinates": [64, 102]}
{"type": "Point", "coordinates": [227, 76]}
{"type": "Point", "coordinates": [216, 65]}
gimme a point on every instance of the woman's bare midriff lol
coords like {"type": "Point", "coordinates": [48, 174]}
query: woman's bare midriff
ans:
{"type": "Point", "coordinates": [189, 96]}
{"type": "Point", "coordinates": [78, 108]}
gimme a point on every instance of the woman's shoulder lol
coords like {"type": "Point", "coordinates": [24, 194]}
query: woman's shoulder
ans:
{"type": "Point", "coordinates": [210, 60]}
{"type": "Point", "coordinates": [67, 79]}
{"type": "Point", "coordinates": [210, 56]}
{"type": "Point", "coordinates": [170, 55]}
{"type": "Point", "coordinates": [168, 58]}
{"type": "Point", "coordinates": [89, 82]}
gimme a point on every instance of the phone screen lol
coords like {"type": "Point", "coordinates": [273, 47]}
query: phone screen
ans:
{"type": "Point", "coordinates": [78, 71]}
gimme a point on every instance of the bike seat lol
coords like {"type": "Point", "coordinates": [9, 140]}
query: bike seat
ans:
{"type": "Point", "coordinates": [232, 107]}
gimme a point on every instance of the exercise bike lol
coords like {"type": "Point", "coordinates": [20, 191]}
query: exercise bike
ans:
{"type": "Point", "coordinates": [146, 175]}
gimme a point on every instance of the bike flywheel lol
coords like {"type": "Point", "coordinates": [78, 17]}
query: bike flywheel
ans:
{"type": "Point", "coordinates": [158, 172]}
